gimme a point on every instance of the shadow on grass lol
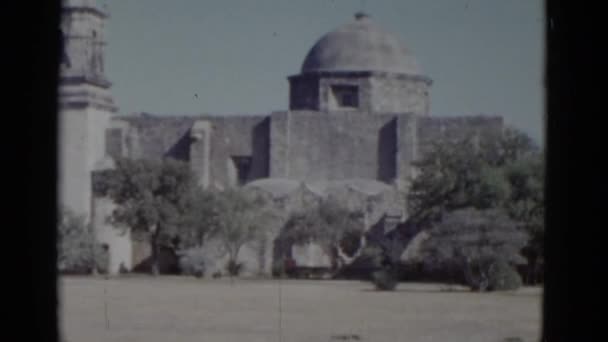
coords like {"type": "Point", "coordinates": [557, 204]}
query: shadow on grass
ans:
{"type": "Point", "coordinates": [506, 293]}
{"type": "Point", "coordinates": [418, 290]}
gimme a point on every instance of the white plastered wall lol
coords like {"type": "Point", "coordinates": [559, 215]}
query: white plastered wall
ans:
{"type": "Point", "coordinates": [81, 146]}
{"type": "Point", "coordinates": [73, 171]}
{"type": "Point", "coordinates": [120, 248]}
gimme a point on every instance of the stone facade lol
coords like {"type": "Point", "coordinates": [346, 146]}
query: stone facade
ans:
{"type": "Point", "coordinates": [358, 117]}
{"type": "Point", "coordinates": [375, 92]}
{"type": "Point", "coordinates": [85, 103]}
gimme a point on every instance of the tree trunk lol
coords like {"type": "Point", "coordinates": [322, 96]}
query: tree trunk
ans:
{"type": "Point", "coordinates": [534, 271]}
{"type": "Point", "coordinates": [233, 263]}
{"type": "Point", "coordinates": [474, 281]}
{"type": "Point", "coordinates": [154, 257]}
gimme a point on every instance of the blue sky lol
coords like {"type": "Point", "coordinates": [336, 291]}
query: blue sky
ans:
{"type": "Point", "coordinates": [484, 56]}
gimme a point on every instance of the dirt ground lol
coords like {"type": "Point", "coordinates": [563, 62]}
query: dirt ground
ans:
{"type": "Point", "coordinates": [185, 309]}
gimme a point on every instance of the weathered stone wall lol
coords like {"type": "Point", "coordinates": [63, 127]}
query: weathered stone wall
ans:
{"type": "Point", "coordinates": [309, 145]}
{"type": "Point", "coordinates": [86, 105]}
{"type": "Point", "coordinates": [399, 94]}
{"type": "Point", "coordinates": [154, 137]}
{"type": "Point", "coordinates": [279, 148]}
{"type": "Point", "coordinates": [81, 146]}
{"type": "Point", "coordinates": [377, 92]}
{"type": "Point", "coordinates": [362, 84]}
{"type": "Point", "coordinates": [84, 31]}
{"type": "Point", "coordinates": [97, 123]}
{"type": "Point", "coordinates": [407, 144]}
{"type": "Point", "coordinates": [200, 152]}
{"type": "Point", "coordinates": [74, 178]}
{"type": "Point", "coordinates": [387, 151]}
{"type": "Point", "coordinates": [313, 91]}
{"type": "Point", "coordinates": [234, 136]}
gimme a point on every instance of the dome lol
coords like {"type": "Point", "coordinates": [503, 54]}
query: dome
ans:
{"type": "Point", "coordinates": [360, 46]}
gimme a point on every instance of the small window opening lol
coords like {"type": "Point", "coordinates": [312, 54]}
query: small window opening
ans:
{"type": "Point", "coordinates": [345, 96]}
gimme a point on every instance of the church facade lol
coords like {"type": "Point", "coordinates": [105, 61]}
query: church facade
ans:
{"type": "Point", "coordinates": [359, 109]}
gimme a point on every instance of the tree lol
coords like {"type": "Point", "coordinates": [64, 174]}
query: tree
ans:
{"type": "Point", "coordinates": [199, 219]}
{"type": "Point", "coordinates": [512, 144]}
{"type": "Point", "coordinates": [240, 219]}
{"type": "Point", "coordinates": [454, 175]}
{"type": "Point", "coordinates": [336, 228]}
{"type": "Point", "coordinates": [466, 172]}
{"type": "Point", "coordinates": [77, 249]}
{"type": "Point", "coordinates": [474, 242]}
{"type": "Point", "coordinates": [527, 206]}
{"type": "Point", "coordinates": [502, 171]}
{"type": "Point", "coordinates": [150, 198]}
{"type": "Point", "coordinates": [196, 225]}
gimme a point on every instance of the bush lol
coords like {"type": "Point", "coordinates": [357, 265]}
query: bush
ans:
{"type": "Point", "coordinates": [77, 250]}
{"type": "Point", "coordinates": [192, 262]}
{"type": "Point", "coordinates": [503, 277]}
{"type": "Point", "coordinates": [384, 280]}
{"type": "Point", "coordinates": [473, 240]}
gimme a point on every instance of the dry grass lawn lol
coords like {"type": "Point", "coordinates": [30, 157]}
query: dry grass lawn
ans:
{"type": "Point", "coordinates": [185, 309]}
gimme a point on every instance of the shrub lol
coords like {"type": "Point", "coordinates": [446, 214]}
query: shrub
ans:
{"type": "Point", "coordinates": [77, 250]}
{"type": "Point", "coordinates": [473, 240]}
{"type": "Point", "coordinates": [192, 262]}
{"type": "Point", "coordinates": [384, 280]}
{"type": "Point", "coordinates": [502, 277]}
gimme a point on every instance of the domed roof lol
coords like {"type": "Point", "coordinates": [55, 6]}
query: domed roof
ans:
{"type": "Point", "coordinates": [360, 46]}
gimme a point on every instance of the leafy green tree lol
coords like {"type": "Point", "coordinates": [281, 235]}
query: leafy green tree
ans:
{"type": "Point", "coordinates": [454, 175]}
{"type": "Point", "coordinates": [467, 172]}
{"type": "Point", "coordinates": [150, 198]}
{"type": "Point", "coordinates": [336, 228]}
{"type": "Point", "coordinates": [512, 144]}
{"type": "Point", "coordinates": [240, 218]}
{"type": "Point", "coordinates": [199, 220]}
{"type": "Point", "coordinates": [474, 242]}
{"type": "Point", "coordinates": [527, 206]}
{"type": "Point", "coordinates": [504, 171]}
{"type": "Point", "coordinates": [196, 225]}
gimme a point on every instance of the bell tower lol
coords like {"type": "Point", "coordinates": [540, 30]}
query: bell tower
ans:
{"type": "Point", "coordinates": [82, 62]}
{"type": "Point", "coordinates": [85, 101]}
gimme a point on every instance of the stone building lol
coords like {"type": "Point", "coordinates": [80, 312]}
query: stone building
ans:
{"type": "Point", "coordinates": [359, 114]}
